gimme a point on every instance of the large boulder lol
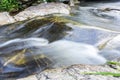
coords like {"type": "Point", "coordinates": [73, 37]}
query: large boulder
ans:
{"type": "Point", "coordinates": [33, 11]}
{"type": "Point", "coordinates": [75, 72]}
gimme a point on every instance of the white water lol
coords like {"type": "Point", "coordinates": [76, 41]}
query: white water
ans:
{"type": "Point", "coordinates": [64, 52]}
{"type": "Point", "coordinates": [61, 53]}
{"type": "Point", "coordinates": [18, 44]}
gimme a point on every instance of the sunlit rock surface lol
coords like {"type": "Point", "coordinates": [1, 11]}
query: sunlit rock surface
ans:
{"type": "Point", "coordinates": [41, 10]}
{"type": "Point", "coordinates": [5, 18]}
{"type": "Point", "coordinates": [34, 11]}
{"type": "Point", "coordinates": [76, 73]}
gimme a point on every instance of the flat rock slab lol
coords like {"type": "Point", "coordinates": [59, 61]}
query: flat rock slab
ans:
{"type": "Point", "coordinates": [74, 72]}
{"type": "Point", "coordinates": [33, 11]}
{"type": "Point", "coordinates": [5, 18]}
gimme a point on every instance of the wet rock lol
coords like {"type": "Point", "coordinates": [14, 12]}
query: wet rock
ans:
{"type": "Point", "coordinates": [33, 11]}
{"type": "Point", "coordinates": [110, 54]}
{"type": "Point", "coordinates": [103, 15]}
{"type": "Point", "coordinates": [24, 55]}
{"type": "Point", "coordinates": [92, 26]}
{"type": "Point", "coordinates": [51, 28]}
{"type": "Point", "coordinates": [112, 47]}
{"type": "Point", "coordinates": [57, 27]}
{"type": "Point", "coordinates": [113, 43]}
{"type": "Point", "coordinates": [60, 27]}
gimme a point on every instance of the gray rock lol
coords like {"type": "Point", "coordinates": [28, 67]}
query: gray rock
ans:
{"type": "Point", "coordinates": [33, 11]}
{"type": "Point", "coordinates": [5, 18]}
{"type": "Point", "coordinates": [41, 10]}
{"type": "Point", "coordinates": [75, 73]}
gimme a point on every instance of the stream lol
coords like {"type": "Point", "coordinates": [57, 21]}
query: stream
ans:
{"type": "Point", "coordinates": [90, 35]}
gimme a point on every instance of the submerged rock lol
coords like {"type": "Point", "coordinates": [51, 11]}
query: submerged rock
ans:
{"type": "Point", "coordinates": [113, 43]}
{"type": "Point", "coordinates": [18, 44]}
{"type": "Point", "coordinates": [112, 48]}
{"type": "Point", "coordinates": [102, 15]}
{"type": "Point", "coordinates": [17, 58]}
{"type": "Point", "coordinates": [89, 32]}
{"type": "Point", "coordinates": [72, 48]}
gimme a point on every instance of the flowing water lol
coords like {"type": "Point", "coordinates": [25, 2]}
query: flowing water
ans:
{"type": "Point", "coordinates": [91, 35]}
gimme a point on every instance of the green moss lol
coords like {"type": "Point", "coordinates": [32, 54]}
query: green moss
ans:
{"type": "Point", "coordinates": [9, 5]}
{"type": "Point", "coordinates": [103, 73]}
{"type": "Point", "coordinates": [113, 63]}
{"type": "Point", "coordinates": [106, 73]}
{"type": "Point", "coordinates": [15, 5]}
